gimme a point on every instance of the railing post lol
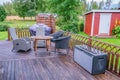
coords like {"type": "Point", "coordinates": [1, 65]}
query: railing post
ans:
{"type": "Point", "coordinates": [8, 35]}
{"type": "Point", "coordinates": [89, 42]}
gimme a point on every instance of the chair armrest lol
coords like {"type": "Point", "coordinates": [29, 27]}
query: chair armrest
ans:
{"type": "Point", "coordinates": [27, 39]}
{"type": "Point", "coordinates": [19, 41]}
{"type": "Point", "coordinates": [57, 34]}
{"type": "Point", "coordinates": [60, 38]}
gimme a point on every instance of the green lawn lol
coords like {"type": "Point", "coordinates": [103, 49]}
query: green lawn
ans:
{"type": "Point", "coordinates": [114, 41]}
{"type": "Point", "coordinates": [3, 35]}
{"type": "Point", "coordinates": [15, 23]}
{"type": "Point", "coordinates": [82, 33]}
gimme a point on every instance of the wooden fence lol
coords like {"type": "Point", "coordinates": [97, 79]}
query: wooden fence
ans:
{"type": "Point", "coordinates": [113, 51]}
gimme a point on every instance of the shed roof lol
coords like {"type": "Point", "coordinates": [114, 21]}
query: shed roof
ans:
{"type": "Point", "coordinates": [102, 11]}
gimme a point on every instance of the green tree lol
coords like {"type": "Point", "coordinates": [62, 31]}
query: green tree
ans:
{"type": "Point", "coordinates": [24, 7]}
{"type": "Point", "coordinates": [68, 12]}
{"type": "Point", "coordinates": [9, 8]}
{"type": "Point", "coordinates": [41, 5]}
{"type": "Point", "coordinates": [29, 7]}
{"type": "Point", "coordinates": [2, 13]}
{"type": "Point", "coordinates": [31, 13]}
{"type": "Point", "coordinates": [20, 7]}
{"type": "Point", "coordinates": [82, 7]}
{"type": "Point", "coordinates": [95, 5]}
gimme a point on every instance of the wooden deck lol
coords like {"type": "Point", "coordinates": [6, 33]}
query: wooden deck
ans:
{"type": "Point", "coordinates": [28, 66]}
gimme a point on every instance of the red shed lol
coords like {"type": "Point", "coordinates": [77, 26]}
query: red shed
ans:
{"type": "Point", "coordinates": [101, 22]}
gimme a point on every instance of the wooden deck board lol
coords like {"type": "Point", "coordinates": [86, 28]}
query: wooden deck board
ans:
{"type": "Point", "coordinates": [27, 66]}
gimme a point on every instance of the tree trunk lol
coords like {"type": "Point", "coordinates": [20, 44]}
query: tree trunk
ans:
{"type": "Point", "coordinates": [24, 18]}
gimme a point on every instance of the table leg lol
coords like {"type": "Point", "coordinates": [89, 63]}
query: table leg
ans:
{"type": "Point", "coordinates": [48, 44]}
{"type": "Point", "coordinates": [35, 46]}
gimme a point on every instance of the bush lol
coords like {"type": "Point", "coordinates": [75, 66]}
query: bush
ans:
{"type": "Point", "coordinates": [4, 27]}
{"type": "Point", "coordinates": [82, 26]}
{"type": "Point", "coordinates": [116, 31]}
{"type": "Point", "coordinates": [71, 26]}
{"type": "Point", "coordinates": [3, 14]}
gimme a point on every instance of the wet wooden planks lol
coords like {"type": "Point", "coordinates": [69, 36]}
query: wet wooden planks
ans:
{"type": "Point", "coordinates": [57, 68]}
{"type": "Point", "coordinates": [27, 66]}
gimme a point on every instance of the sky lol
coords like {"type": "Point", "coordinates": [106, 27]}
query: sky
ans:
{"type": "Point", "coordinates": [113, 1]}
{"type": "Point", "coordinates": [2, 1]}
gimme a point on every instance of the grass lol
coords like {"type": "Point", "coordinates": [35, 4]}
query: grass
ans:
{"type": "Point", "coordinates": [3, 35]}
{"type": "Point", "coordinates": [16, 23]}
{"type": "Point", "coordinates": [83, 34]}
{"type": "Point", "coordinates": [115, 41]}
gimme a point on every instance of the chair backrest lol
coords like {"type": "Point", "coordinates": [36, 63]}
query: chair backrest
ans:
{"type": "Point", "coordinates": [13, 33]}
{"type": "Point", "coordinates": [40, 31]}
{"type": "Point", "coordinates": [62, 42]}
{"type": "Point", "coordinates": [57, 34]}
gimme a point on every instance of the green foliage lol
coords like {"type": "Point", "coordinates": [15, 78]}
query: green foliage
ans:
{"type": "Point", "coordinates": [8, 6]}
{"type": "Point", "coordinates": [71, 26]}
{"type": "Point", "coordinates": [24, 7]}
{"type": "Point", "coordinates": [81, 25]}
{"type": "Point", "coordinates": [31, 13]}
{"type": "Point", "coordinates": [41, 5]}
{"type": "Point", "coordinates": [29, 7]}
{"type": "Point", "coordinates": [116, 31]}
{"type": "Point", "coordinates": [3, 27]}
{"type": "Point", "coordinates": [2, 14]}
{"type": "Point", "coordinates": [95, 5]}
{"type": "Point", "coordinates": [20, 7]}
{"type": "Point", "coordinates": [3, 37]}
{"type": "Point", "coordinates": [68, 12]}
{"type": "Point", "coordinates": [18, 24]}
{"type": "Point", "coordinates": [82, 7]}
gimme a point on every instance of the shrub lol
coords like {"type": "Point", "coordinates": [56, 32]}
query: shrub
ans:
{"type": "Point", "coordinates": [3, 27]}
{"type": "Point", "coordinates": [71, 26]}
{"type": "Point", "coordinates": [3, 14]}
{"type": "Point", "coordinates": [116, 31]}
{"type": "Point", "coordinates": [82, 26]}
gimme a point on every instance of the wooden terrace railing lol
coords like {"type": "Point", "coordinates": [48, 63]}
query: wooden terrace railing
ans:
{"type": "Point", "coordinates": [21, 32]}
{"type": "Point", "coordinates": [113, 51]}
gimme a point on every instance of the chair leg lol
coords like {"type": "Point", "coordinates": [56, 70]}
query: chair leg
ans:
{"type": "Point", "coordinates": [12, 49]}
{"type": "Point", "coordinates": [67, 50]}
{"type": "Point", "coordinates": [55, 50]}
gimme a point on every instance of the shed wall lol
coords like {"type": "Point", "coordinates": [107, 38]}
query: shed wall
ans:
{"type": "Point", "coordinates": [96, 24]}
{"type": "Point", "coordinates": [88, 23]}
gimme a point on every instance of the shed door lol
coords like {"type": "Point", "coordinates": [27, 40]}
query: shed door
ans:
{"type": "Point", "coordinates": [104, 26]}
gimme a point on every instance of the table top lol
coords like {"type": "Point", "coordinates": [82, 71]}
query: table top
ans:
{"type": "Point", "coordinates": [41, 37]}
